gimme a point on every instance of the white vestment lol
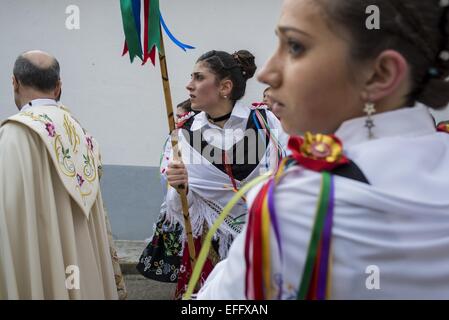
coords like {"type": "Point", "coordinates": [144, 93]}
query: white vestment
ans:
{"type": "Point", "coordinates": [390, 238]}
{"type": "Point", "coordinates": [53, 231]}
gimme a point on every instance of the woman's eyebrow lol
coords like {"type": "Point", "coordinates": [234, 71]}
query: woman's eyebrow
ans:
{"type": "Point", "coordinates": [285, 29]}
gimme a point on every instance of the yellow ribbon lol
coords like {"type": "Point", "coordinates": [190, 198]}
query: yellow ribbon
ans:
{"type": "Point", "coordinates": [266, 246]}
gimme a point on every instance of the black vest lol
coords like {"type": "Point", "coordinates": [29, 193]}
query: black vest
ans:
{"type": "Point", "coordinates": [243, 157]}
{"type": "Point", "coordinates": [241, 166]}
{"type": "Point", "coordinates": [350, 171]}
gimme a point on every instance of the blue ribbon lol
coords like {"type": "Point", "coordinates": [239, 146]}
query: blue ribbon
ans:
{"type": "Point", "coordinates": [183, 46]}
{"type": "Point", "coordinates": [136, 11]}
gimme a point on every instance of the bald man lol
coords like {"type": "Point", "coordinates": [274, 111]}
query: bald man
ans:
{"type": "Point", "coordinates": [54, 241]}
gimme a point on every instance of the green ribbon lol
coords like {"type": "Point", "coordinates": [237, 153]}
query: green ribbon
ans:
{"type": "Point", "coordinates": [154, 27]}
{"type": "Point", "coordinates": [315, 237]}
{"type": "Point", "coordinates": [129, 27]}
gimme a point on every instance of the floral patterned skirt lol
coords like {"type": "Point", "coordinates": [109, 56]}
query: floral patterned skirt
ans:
{"type": "Point", "coordinates": [164, 260]}
{"type": "Point", "coordinates": [161, 259]}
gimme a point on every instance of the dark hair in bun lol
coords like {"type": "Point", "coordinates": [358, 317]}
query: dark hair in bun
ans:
{"type": "Point", "coordinates": [238, 67]}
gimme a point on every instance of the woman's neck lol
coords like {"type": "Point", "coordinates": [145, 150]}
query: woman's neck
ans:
{"type": "Point", "coordinates": [221, 109]}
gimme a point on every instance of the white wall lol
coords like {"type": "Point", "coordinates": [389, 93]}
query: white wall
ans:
{"type": "Point", "coordinates": [122, 104]}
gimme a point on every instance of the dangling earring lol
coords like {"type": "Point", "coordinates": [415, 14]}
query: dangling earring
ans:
{"type": "Point", "coordinates": [369, 122]}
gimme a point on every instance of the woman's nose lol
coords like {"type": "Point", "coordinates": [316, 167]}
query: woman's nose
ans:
{"type": "Point", "coordinates": [269, 74]}
{"type": "Point", "coordinates": [189, 86]}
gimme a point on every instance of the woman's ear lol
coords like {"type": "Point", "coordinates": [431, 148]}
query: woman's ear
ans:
{"type": "Point", "coordinates": [226, 87]}
{"type": "Point", "coordinates": [388, 76]}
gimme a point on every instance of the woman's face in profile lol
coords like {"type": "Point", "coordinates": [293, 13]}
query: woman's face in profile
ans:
{"type": "Point", "coordinates": [203, 88]}
{"type": "Point", "coordinates": [309, 74]}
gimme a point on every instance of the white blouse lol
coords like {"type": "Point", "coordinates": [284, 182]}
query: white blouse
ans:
{"type": "Point", "coordinates": [390, 238]}
{"type": "Point", "coordinates": [210, 189]}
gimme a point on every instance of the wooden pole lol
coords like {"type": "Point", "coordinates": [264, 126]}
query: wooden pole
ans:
{"type": "Point", "coordinates": [176, 152]}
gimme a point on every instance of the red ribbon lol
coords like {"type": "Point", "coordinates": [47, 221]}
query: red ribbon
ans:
{"type": "Point", "coordinates": [148, 54]}
{"type": "Point", "coordinates": [125, 49]}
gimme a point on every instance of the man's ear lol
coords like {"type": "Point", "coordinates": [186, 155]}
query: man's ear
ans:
{"type": "Point", "coordinates": [387, 76]}
{"type": "Point", "coordinates": [58, 91]}
{"type": "Point", "coordinates": [15, 84]}
{"type": "Point", "coordinates": [226, 87]}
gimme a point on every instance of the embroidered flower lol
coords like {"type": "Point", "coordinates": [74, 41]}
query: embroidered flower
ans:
{"type": "Point", "coordinates": [317, 152]}
{"type": "Point", "coordinates": [147, 263]}
{"type": "Point", "coordinates": [50, 129]}
{"type": "Point", "coordinates": [80, 180]}
{"type": "Point", "coordinates": [90, 143]}
{"type": "Point", "coordinates": [166, 268]}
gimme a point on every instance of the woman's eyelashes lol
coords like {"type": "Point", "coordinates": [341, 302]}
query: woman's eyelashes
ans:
{"type": "Point", "coordinates": [199, 77]}
{"type": "Point", "coordinates": [295, 48]}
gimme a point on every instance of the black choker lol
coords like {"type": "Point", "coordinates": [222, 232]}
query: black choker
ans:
{"type": "Point", "coordinates": [219, 119]}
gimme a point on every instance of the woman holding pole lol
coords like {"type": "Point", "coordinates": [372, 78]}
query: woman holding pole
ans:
{"type": "Point", "coordinates": [224, 146]}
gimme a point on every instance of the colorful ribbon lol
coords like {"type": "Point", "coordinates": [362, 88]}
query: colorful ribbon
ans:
{"type": "Point", "coordinates": [148, 53]}
{"type": "Point", "coordinates": [154, 29]}
{"type": "Point", "coordinates": [208, 240]}
{"type": "Point", "coordinates": [319, 152]}
{"type": "Point", "coordinates": [183, 46]}
{"type": "Point", "coordinates": [315, 282]}
{"type": "Point", "coordinates": [262, 126]}
{"type": "Point", "coordinates": [262, 220]}
{"type": "Point", "coordinates": [132, 26]}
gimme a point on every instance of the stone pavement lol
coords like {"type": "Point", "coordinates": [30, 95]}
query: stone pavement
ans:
{"type": "Point", "coordinates": [139, 287]}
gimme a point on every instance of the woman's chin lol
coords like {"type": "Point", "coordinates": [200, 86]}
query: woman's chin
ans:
{"type": "Point", "coordinates": [196, 107]}
{"type": "Point", "coordinates": [290, 129]}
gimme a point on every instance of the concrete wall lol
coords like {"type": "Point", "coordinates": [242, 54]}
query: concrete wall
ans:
{"type": "Point", "coordinates": [133, 196]}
